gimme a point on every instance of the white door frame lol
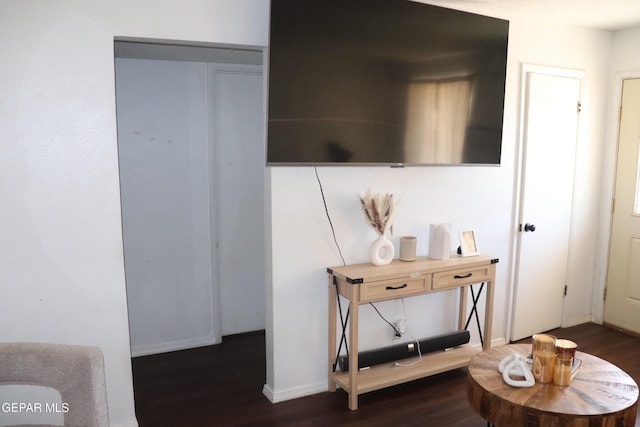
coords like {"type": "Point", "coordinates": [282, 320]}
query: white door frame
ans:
{"type": "Point", "coordinates": [526, 68]}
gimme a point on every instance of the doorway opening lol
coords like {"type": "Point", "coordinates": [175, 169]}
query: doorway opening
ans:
{"type": "Point", "coordinates": [192, 177]}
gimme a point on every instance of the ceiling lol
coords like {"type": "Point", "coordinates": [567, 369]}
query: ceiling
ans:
{"type": "Point", "coordinates": [601, 14]}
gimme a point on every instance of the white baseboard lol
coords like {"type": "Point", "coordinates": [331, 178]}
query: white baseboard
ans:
{"type": "Point", "coordinates": [294, 392]}
{"type": "Point", "coordinates": [496, 342]}
{"type": "Point", "coordinates": [268, 391]}
{"type": "Point", "coordinates": [163, 347]}
{"type": "Point", "coordinates": [579, 321]}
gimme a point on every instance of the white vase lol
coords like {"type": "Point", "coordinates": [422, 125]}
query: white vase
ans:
{"type": "Point", "coordinates": [381, 251]}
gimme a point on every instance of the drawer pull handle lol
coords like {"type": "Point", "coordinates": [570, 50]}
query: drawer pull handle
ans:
{"type": "Point", "coordinates": [393, 288]}
{"type": "Point", "coordinates": [463, 277]}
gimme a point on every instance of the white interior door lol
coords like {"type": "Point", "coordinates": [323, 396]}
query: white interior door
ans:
{"type": "Point", "coordinates": [549, 136]}
{"type": "Point", "coordinates": [236, 94]}
{"type": "Point", "coordinates": [622, 303]}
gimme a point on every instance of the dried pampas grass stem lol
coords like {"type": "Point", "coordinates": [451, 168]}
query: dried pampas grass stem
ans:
{"type": "Point", "coordinates": [379, 210]}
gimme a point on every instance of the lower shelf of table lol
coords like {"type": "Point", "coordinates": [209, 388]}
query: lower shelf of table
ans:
{"type": "Point", "coordinates": [386, 375]}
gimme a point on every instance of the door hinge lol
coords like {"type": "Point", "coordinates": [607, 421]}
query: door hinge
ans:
{"type": "Point", "coordinates": [565, 290]}
{"type": "Point", "coordinates": [579, 106]}
{"type": "Point", "coordinates": [613, 205]}
{"type": "Point", "coordinates": [604, 297]}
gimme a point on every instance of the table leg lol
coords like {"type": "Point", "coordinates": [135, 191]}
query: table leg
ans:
{"type": "Point", "coordinates": [333, 301]}
{"type": "Point", "coordinates": [462, 311]}
{"type": "Point", "coordinates": [353, 357]}
{"type": "Point", "coordinates": [488, 312]}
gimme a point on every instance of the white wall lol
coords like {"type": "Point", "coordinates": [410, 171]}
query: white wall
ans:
{"type": "Point", "coordinates": [61, 247]}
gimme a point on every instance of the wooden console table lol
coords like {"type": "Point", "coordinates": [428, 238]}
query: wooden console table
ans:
{"type": "Point", "coordinates": [364, 283]}
{"type": "Point", "coordinates": [601, 394]}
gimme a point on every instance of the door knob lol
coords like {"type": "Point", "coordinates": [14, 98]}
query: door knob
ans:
{"type": "Point", "coordinates": [529, 227]}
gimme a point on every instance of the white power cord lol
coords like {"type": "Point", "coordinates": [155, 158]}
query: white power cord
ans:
{"type": "Point", "coordinates": [406, 324]}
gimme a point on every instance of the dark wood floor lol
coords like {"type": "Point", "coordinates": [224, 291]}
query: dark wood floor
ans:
{"type": "Point", "coordinates": [222, 386]}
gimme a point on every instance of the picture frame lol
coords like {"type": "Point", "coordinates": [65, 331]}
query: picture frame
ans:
{"type": "Point", "coordinates": [468, 243]}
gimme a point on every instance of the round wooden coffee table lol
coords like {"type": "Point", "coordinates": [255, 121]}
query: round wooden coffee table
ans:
{"type": "Point", "coordinates": [601, 394]}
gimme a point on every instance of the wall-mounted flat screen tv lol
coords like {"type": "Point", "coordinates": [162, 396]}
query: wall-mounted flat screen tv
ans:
{"type": "Point", "coordinates": [384, 82]}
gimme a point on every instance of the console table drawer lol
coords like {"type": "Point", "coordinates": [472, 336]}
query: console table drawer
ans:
{"type": "Point", "coordinates": [463, 276]}
{"type": "Point", "coordinates": [389, 289]}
